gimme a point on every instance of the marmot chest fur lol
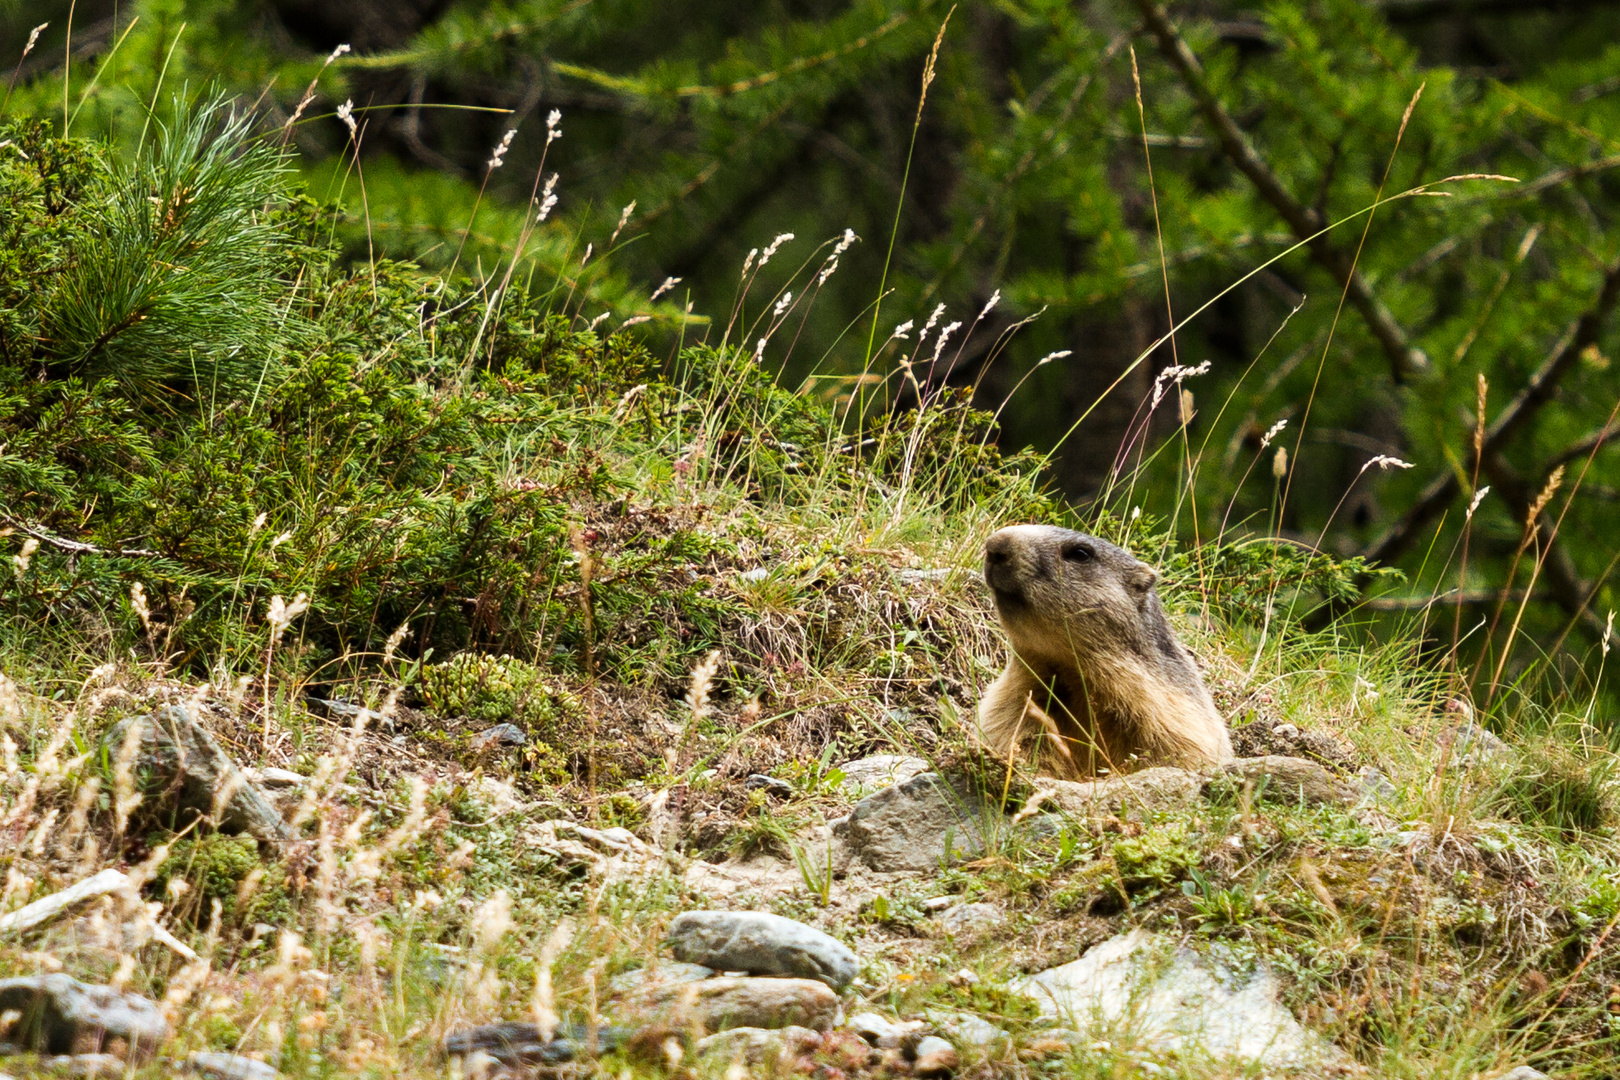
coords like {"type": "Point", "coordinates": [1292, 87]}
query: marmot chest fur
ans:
{"type": "Point", "coordinates": [1111, 687]}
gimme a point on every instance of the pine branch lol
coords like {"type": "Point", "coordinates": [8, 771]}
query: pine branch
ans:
{"type": "Point", "coordinates": [1404, 358]}
{"type": "Point", "coordinates": [1582, 333]}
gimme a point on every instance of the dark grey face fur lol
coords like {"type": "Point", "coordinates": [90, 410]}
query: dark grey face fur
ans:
{"type": "Point", "coordinates": [1102, 597]}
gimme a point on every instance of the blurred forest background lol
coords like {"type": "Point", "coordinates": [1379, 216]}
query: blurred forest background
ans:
{"type": "Point", "coordinates": [1464, 330]}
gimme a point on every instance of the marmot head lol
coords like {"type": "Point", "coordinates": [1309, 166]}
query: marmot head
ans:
{"type": "Point", "coordinates": [1062, 594]}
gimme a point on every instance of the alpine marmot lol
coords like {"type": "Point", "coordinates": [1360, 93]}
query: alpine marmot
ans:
{"type": "Point", "coordinates": [1111, 687]}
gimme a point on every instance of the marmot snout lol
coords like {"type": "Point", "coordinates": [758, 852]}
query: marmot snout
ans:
{"type": "Point", "coordinates": [1092, 650]}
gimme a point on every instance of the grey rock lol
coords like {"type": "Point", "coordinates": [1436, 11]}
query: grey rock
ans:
{"type": "Point", "coordinates": [759, 1046]}
{"type": "Point", "coordinates": [343, 710]}
{"type": "Point", "coordinates": [500, 735]}
{"type": "Point", "coordinates": [910, 825]}
{"type": "Point", "coordinates": [1173, 999]}
{"type": "Point", "coordinates": [61, 1015]}
{"type": "Point", "coordinates": [730, 1001]}
{"type": "Point", "coordinates": [1161, 788]}
{"type": "Point", "coordinates": [191, 771]}
{"type": "Point", "coordinates": [938, 903]}
{"type": "Point", "coordinates": [662, 973]}
{"type": "Point", "coordinates": [965, 1029]}
{"type": "Point", "coordinates": [1289, 780]}
{"type": "Point", "coordinates": [768, 784]}
{"type": "Point", "coordinates": [1524, 1072]}
{"type": "Point", "coordinates": [1470, 745]}
{"type": "Point", "coordinates": [512, 1043]}
{"type": "Point", "coordinates": [277, 779]}
{"type": "Point", "coordinates": [866, 775]}
{"type": "Point", "coordinates": [917, 577]}
{"type": "Point", "coordinates": [968, 920]}
{"type": "Point", "coordinates": [761, 944]}
{"type": "Point", "coordinates": [229, 1067]}
{"type": "Point", "coordinates": [884, 1033]}
{"type": "Point", "coordinates": [1374, 786]}
{"type": "Point", "coordinates": [935, 1057]}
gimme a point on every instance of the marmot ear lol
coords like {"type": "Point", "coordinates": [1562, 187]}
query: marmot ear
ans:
{"type": "Point", "coordinates": [1143, 577]}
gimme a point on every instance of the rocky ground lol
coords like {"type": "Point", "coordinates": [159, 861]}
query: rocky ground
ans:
{"type": "Point", "coordinates": [886, 916]}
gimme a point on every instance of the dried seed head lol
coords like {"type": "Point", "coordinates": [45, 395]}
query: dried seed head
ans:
{"type": "Point", "coordinates": [495, 161]}
{"type": "Point", "coordinates": [1174, 374]}
{"type": "Point", "coordinates": [1049, 357]}
{"type": "Point", "coordinates": [1186, 412]}
{"type": "Point", "coordinates": [25, 556]}
{"type": "Point", "coordinates": [1473, 504]}
{"type": "Point", "coordinates": [553, 132]}
{"type": "Point", "coordinates": [549, 199]}
{"type": "Point", "coordinates": [782, 305]}
{"type": "Point", "coordinates": [827, 271]}
{"type": "Point", "coordinates": [1272, 432]}
{"type": "Point", "coordinates": [843, 244]}
{"type": "Point", "coordinates": [1479, 410]}
{"type": "Point", "coordinates": [33, 39]}
{"type": "Point", "coordinates": [345, 113]}
{"type": "Point", "coordinates": [770, 250]}
{"type": "Point", "coordinates": [995, 298]}
{"type": "Point", "coordinates": [902, 331]}
{"type": "Point", "coordinates": [1279, 464]}
{"type": "Point", "coordinates": [137, 600]}
{"type": "Point", "coordinates": [702, 679]}
{"type": "Point", "coordinates": [281, 613]}
{"type": "Point", "coordinates": [624, 219]}
{"type": "Point", "coordinates": [1548, 490]}
{"type": "Point", "coordinates": [1385, 462]}
{"type": "Point", "coordinates": [669, 283]}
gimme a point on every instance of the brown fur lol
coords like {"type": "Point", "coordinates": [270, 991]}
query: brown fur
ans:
{"type": "Point", "coordinates": [1096, 674]}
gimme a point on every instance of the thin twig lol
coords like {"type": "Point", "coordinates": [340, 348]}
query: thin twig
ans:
{"type": "Point", "coordinates": [74, 546]}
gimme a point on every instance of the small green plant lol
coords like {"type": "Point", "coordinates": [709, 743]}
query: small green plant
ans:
{"type": "Point", "coordinates": [1217, 907]}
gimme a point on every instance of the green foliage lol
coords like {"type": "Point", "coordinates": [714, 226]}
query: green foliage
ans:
{"type": "Point", "coordinates": [491, 689]}
{"type": "Point", "coordinates": [177, 276]}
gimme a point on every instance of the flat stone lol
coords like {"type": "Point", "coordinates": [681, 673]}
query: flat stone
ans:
{"type": "Point", "coordinates": [730, 1001]}
{"type": "Point", "coordinates": [229, 1067]}
{"type": "Point", "coordinates": [761, 944]}
{"type": "Point", "coordinates": [1173, 999]}
{"type": "Point", "coordinates": [190, 770]}
{"type": "Point", "coordinates": [1290, 780]}
{"type": "Point", "coordinates": [273, 778]}
{"type": "Point", "coordinates": [935, 1058]}
{"type": "Point", "coordinates": [881, 1032]}
{"type": "Point", "coordinates": [769, 784]}
{"type": "Point", "coordinates": [759, 1046]}
{"type": "Point", "coordinates": [909, 826]}
{"type": "Point", "coordinates": [512, 1043]}
{"type": "Point", "coordinates": [1524, 1072]}
{"type": "Point", "coordinates": [659, 973]}
{"type": "Point", "coordinates": [61, 1015]}
{"type": "Point", "coordinates": [1161, 788]}
{"type": "Point", "coordinates": [964, 1028]}
{"type": "Point", "coordinates": [866, 775]}
{"type": "Point", "coordinates": [343, 710]}
{"type": "Point", "coordinates": [500, 735]}
{"type": "Point", "coordinates": [968, 920]}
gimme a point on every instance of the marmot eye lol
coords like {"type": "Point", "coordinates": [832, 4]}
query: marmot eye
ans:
{"type": "Point", "coordinates": [1077, 553]}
